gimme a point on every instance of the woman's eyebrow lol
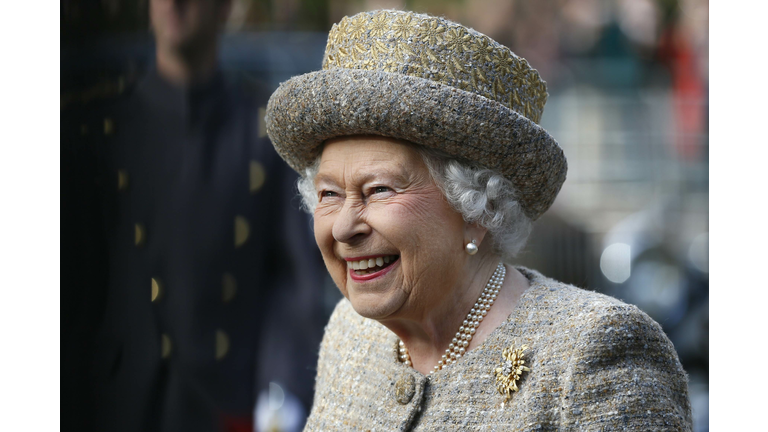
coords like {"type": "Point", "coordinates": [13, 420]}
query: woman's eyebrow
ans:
{"type": "Point", "coordinates": [364, 177]}
{"type": "Point", "coordinates": [396, 171]}
{"type": "Point", "coordinates": [368, 176]}
{"type": "Point", "coordinates": [325, 178]}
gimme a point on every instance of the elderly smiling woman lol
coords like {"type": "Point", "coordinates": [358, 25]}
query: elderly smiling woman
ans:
{"type": "Point", "coordinates": [424, 168]}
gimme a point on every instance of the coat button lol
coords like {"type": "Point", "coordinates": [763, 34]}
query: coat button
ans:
{"type": "Point", "coordinates": [122, 180]}
{"type": "Point", "coordinates": [157, 289]}
{"type": "Point", "coordinates": [139, 234]}
{"type": "Point", "coordinates": [109, 126]}
{"type": "Point", "coordinates": [257, 174]}
{"type": "Point", "coordinates": [165, 346]}
{"type": "Point", "coordinates": [262, 114]}
{"type": "Point", "coordinates": [228, 287]}
{"type": "Point", "coordinates": [222, 344]}
{"type": "Point", "coordinates": [242, 231]}
{"type": "Point", "coordinates": [405, 388]}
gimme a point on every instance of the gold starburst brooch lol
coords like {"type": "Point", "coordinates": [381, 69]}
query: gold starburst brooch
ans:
{"type": "Point", "coordinates": [511, 368]}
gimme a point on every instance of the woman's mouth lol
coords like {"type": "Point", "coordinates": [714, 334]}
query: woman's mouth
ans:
{"type": "Point", "coordinates": [371, 267]}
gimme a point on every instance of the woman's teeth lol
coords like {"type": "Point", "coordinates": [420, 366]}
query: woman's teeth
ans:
{"type": "Point", "coordinates": [375, 264]}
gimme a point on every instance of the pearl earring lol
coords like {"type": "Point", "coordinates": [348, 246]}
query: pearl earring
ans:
{"type": "Point", "coordinates": [471, 248]}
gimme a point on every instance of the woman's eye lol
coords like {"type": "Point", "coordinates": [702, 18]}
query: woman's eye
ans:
{"type": "Point", "coordinates": [327, 193]}
{"type": "Point", "coordinates": [380, 189]}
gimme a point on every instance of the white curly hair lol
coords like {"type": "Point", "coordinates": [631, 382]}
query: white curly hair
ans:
{"type": "Point", "coordinates": [479, 194]}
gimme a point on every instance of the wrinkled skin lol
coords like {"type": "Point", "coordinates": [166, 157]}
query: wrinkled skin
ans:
{"type": "Point", "coordinates": [376, 197]}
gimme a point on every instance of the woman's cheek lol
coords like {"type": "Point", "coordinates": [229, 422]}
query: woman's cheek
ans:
{"type": "Point", "coordinates": [324, 235]}
{"type": "Point", "coordinates": [339, 276]}
{"type": "Point", "coordinates": [323, 223]}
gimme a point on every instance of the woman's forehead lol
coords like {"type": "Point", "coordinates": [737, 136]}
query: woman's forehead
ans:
{"type": "Point", "coordinates": [362, 155]}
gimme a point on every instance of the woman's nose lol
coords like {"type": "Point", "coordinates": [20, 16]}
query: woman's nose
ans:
{"type": "Point", "coordinates": [350, 225]}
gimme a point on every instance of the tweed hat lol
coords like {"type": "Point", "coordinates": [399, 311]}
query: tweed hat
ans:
{"type": "Point", "coordinates": [429, 81]}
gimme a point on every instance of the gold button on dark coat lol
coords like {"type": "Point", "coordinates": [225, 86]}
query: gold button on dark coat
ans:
{"type": "Point", "coordinates": [222, 344]}
{"type": "Point", "coordinates": [122, 180]}
{"type": "Point", "coordinates": [165, 346]}
{"type": "Point", "coordinates": [405, 388]}
{"type": "Point", "coordinates": [109, 126]}
{"type": "Point", "coordinates": [257, 175]}
{"type": "Point", "coordinates": [262, 113]}
{"type": "Point", "coordinates": [157, 289]}
{"type": "Point", "coordinates": [139, 234]}
{"type": "Point", "coordinates": [242, 231]}
{"type": "Point", "coordinates": [228, 287]}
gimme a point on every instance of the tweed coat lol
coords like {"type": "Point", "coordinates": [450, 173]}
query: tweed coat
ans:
{"type": "Point", "coordinates": [595, 364]}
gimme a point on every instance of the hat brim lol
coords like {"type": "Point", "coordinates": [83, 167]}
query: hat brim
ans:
{"type": "Point", "coordinates": [309, 109]}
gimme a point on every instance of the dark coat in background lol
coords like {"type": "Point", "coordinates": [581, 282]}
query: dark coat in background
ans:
{"type": "Point", "coordinates": [190, 279]}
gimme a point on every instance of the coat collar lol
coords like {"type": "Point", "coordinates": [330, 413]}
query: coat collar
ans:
{"type": "Point", "coordinates": [393, 378]}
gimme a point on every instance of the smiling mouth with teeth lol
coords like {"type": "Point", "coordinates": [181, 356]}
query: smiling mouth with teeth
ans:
{"type": "Point", "coordinates": [371, 265]}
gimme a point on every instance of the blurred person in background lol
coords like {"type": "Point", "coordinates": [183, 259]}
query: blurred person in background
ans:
{"type": "Point", "coordinates": [192, 282]}
{"type": "Point", "coordinates": [424, 165]}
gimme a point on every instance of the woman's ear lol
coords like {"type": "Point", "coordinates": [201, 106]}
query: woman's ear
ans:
{"type": "Point", "coordinates": [473, 231]}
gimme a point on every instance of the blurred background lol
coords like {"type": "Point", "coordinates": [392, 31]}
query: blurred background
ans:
{"type": "Point", "coordinates": [628, 103]}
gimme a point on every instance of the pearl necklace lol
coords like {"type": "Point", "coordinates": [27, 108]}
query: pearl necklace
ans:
{"type": "Point", "coordinates": [460, 342]}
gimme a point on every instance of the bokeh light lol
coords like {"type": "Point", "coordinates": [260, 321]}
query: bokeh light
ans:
{"type": "Point", "coordinates": [616, 262]}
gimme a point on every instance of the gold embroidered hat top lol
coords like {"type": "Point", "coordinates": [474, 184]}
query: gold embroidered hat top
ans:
{"type": "Point", "coordinates": [429, 81]}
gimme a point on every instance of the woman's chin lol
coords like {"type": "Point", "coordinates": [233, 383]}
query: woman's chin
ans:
{"type": "Point", "coordinates": [376, 305]}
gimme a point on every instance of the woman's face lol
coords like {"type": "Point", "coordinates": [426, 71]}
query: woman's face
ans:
{"type": "Point", "coordinates": [389, 238]}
